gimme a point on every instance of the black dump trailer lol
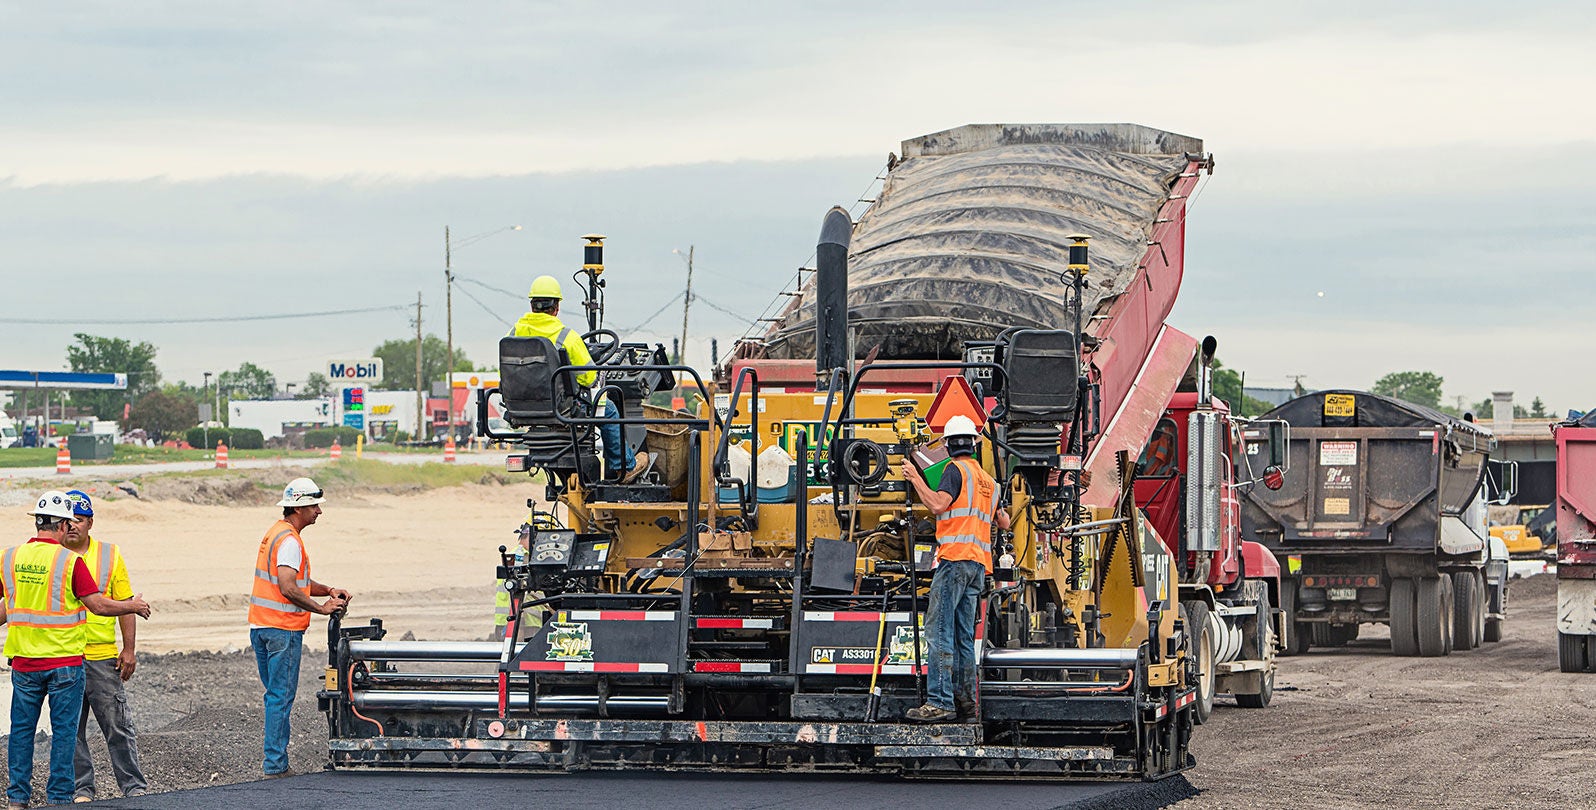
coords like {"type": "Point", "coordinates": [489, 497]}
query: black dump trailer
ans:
{"type": "Point", "coordinates": [1382, 521]}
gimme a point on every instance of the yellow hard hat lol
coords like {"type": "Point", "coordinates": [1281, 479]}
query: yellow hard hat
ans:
{"type": "Point", "coordinates": [545, 287]}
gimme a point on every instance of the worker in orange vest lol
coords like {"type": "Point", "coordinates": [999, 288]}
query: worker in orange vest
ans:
{"type": "Point", "coordinates": [280, 605]}
{"type": "Point", "coordinates": [48, 594]}
{"type": "Point", "coordinates": [965, 503]}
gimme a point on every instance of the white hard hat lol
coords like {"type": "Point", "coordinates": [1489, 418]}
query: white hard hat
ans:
{"type": "Point", "coordinates": [301, 492]}
{"type": "Point", "coordinates": [54, 503]}
{"type": "Point", "coordinates": [959, 426]}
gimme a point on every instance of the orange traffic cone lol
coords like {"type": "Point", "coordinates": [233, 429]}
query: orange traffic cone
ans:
{"type": "Point", "coordinates": [221, 456]}
{"type": "Point", "coordinates": [448, 450]}
{"type": "Point", "coordinates": [678, 404]}
{"type": "Point", "coordinates": [337, 450]}
{"type": "Point", "coordinates": [63, 459]}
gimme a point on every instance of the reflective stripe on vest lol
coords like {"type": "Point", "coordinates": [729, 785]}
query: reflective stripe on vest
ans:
{"type": "Point", "coordinates": [102, 629]}
{"type": "Point", "coordinates": [964, 531]}
{"type": "Point", "coordinates": [267, 605]}
{"type": "Point", "coordinates": [46, 619]}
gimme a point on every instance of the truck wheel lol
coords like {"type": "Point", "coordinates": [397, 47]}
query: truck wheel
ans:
{"type": "Point", "coordinates": [1201, 647]}
{"type": "Point", "coordinates": [1264, 650]}
{"type": "Point", "coordinates": [1493, 630]}
{"type": "Point", "coordinates": [1571, 652]}
{"type": "Point", "coordinates": [1297, 639]}
{"type": "Point", "coordinates": [1433, 606]}
{"type": "Point", "coordinates": [1404, 622]}
{"type": "Point", "coordinates": [1464, 605]}
{"type": "Point", "coordinates": [1481, 599]}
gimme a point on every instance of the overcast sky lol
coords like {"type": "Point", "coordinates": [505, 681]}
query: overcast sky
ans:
{"type": "Point", "coordinates": [1426, 169]}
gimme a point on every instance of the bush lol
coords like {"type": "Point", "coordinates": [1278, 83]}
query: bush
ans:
{"type": "Point", "coordinates": [246, 439]}
{"type": "Point", "coordinates": [207, 439]}
{"type": "Point", "coordinates": [323, 437]}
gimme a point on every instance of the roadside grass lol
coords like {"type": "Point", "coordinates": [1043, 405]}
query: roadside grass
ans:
{"type": "Point", "coordinates": [349, 473]}
{"type": "Point", "coordinates": [136, 454]}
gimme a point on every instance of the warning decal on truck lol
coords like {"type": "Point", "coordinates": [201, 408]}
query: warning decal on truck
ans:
{"type": "Point", "coordinates": [1337, 506]}
{"type": "Point", "coordinates": [1338, 454]}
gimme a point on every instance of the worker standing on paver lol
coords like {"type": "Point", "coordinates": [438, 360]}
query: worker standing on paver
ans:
{"type": "Point", "coordinates": [965, 503]}
{"type": "Point", "coordinates": [48, 593]}
{"type": "Point", "coordinates": [280, 605]}
{"type": "Point", "coordinates": [105, 668]}
{"type": "Point", "coordinates": [544, 321]}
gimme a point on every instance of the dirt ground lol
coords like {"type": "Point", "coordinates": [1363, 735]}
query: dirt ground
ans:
{"type": "Point", "coordinates": [1352, 727]}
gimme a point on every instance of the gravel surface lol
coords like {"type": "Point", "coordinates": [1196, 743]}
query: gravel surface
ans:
{"type": "Point", "coordinates": [1352, 728]}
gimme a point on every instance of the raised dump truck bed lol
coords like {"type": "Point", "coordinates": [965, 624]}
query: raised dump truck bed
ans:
{"type": "Point", "coordinates": [1576, 544]}
{"type": "Point", "coordinates": [1383, 524]}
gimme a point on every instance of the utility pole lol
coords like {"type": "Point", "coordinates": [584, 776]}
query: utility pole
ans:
{"type": "Point", "coordinates": [448, 309]}
{"type": "Point", "coordinates": [420, 381]}
{"type": "Point", "coordinates": [687, 302]}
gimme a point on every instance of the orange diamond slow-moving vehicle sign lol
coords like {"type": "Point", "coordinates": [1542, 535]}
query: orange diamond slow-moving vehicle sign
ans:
{"type": "Point", "coordinates": [955, 399]}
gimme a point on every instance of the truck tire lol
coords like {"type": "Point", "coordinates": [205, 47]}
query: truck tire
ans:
{"type": "Point", "coordinates": [1571, 652]}
{"type": "Point", "coordinates": [1481, 601]}
{"type": "Point", "coordinates": [1433, 609]}
{"type": "Point", "coordinates": [1297, 638]}
{"type": "Point", "coordinates": [1195, 613]}
{"type": "Point", "coordinates": [1465, 604]}
{"type": "Point", "coordinates": [1404, 622]}
{"type": "Point", "coordinates": [1263, 649]}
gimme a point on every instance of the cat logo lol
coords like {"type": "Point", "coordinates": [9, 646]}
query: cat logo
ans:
{"type": "Point", "coordinates": [569, 641]}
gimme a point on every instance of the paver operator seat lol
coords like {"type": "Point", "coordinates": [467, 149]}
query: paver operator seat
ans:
{"type": "Point", "coordinates": [534, 398]}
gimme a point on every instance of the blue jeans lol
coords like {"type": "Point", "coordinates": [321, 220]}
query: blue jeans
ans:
{"type": "Point", "coordinates": [64, 687]}
{"type": "Point", "coordinates": [618, 458]}
{"type": "Point", "coordinates": [277, 654]}
{"type": "Point", "coordinates": [950, 625]}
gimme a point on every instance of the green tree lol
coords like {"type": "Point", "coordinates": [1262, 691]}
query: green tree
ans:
{"type": "Point", "coordinates": [161, 414]}
{"type": "Point", "coordinates": [316, 385]}
{"type": "Point", "coordinates": [399, 362]}
{"type": "Point", "coordinates": [116, 356]}
{"type": "Point", "coordinates": [1227, 386]}
{"type": "Point", "coordinates": [1537, 408]}
{"type": "Point", "coordinates": [1417, 387]}
{"type": "Point", "coordinates": [248, 381]}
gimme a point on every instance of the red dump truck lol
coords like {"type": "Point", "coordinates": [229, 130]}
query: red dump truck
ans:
{"type": "Point", "coordinates": [1576, 544]}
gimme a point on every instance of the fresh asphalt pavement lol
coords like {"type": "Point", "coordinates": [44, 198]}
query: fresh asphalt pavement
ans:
{"type": "Point", "coordinates": [658, 791]}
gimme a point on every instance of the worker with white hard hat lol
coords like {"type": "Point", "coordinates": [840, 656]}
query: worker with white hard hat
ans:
{"type": "Point", "coordinates": [544, 321]}
{"type": "Point", "coordinates": [280, 605]}
{"type": "Point", "coordinates": [49, 592]}
{"type": "Point", "coordinates": [965, 503]}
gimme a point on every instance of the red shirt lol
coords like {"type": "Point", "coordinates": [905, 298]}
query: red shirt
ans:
{"type": "Point", "coordinates": [83, 584]}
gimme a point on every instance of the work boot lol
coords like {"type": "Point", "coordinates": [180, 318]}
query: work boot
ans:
{"type": "Point", "coordinates": [930, 713]}
{"type": "Point", "coordinates": [967, 709]}
{"type": "Point", "coordinates": [640, 464]}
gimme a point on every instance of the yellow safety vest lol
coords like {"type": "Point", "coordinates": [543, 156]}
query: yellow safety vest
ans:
{"type": "Point", "coordinates": [102, 558]}
{"type": "Point", "coordinates": [47, 619]}
{"type": "Point", "coordinates": [544, 325]}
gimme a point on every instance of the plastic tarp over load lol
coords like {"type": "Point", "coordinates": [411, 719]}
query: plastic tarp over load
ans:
{"type": "Point", "coordinates": [970, 234]}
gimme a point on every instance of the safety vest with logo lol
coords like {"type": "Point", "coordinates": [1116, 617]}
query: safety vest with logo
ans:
{"type": "Point", "coordinates": [964, 531]}
{"type": "Point", "coordinates": [47, 619]}
{"type": "Point", "coordinates": [544, 325]}
{"type": "Point", "coordinates": [102, 558]}
{"type": "Point", "coordinates": [267, 605]}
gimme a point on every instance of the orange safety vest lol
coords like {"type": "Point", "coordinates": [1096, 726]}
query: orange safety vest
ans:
{"type": "Point", "coordinates": [964, 531]}
{"type": "Point", "coordinates": [267, 605]}
{"type": "Point", "coordinates": [46, 617]}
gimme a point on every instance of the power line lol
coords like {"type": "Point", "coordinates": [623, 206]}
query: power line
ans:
{"type": "Point", "coordinates": [231, 319]}
{"type": "Point", "coordinates": [490, 287]}
{"type": "Point", "coordinates": [657, 313]}
{"type": "Point", "coordinates": [485, 307]}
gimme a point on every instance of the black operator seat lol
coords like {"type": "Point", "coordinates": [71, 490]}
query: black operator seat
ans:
{"type": "Point", "coordinates": [533, 394]}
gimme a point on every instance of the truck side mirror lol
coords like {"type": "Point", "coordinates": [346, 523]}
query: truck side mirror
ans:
{"type": "Point", "coordinates": [1279, 445]}
{"type": "Point", "coordinates": [1507, 486]}
{"type": "Point", "coordinates": [1274, 478]}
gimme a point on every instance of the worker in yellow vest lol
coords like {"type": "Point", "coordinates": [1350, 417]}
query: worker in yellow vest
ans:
{"type": "Point", "coordinates": [280, 605]}
{"type": "Point", "coordinates": [105, 668]}
{"type": "Point", "coordinates": [48, 594]}
{"type": "Point", "coordinates": [543, 320]}
{"type": "Point", "coordinates": [965, 503]}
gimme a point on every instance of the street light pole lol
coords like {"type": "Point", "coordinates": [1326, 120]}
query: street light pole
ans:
{"type": "Point", "coordinates": [206, 429]}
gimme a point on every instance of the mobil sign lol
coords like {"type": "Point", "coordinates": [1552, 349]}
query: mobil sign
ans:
{"type": "Point", "coordinates": [366, 370]}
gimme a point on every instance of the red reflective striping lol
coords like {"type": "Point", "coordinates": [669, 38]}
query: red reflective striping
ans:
{"type": "Point", "coordinates": [734, 624]}
{"type": "Point", "coordinates": [855, 616]}
{"type": "Point", "coordinates": [729, 666]}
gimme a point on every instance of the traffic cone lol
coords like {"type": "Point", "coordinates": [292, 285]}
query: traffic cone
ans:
{"type": "Point", "coordinates": [63, 459]}
{"type": "Point", "coordinates": [678, 404]}
{"type": "Point", "coordinates": [448, 450]}
{"type": "Point", "coordinates": [337, 450]}
{"type": "Point", "coordinates": [221, 456]}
